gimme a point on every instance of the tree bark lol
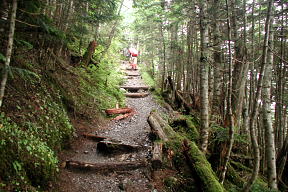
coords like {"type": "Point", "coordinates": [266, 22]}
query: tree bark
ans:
{"type": "Point", "coordinates": [229, 115]}
{"type": "Point", "coordinates": [8, 51]}
{"type": "Point", "coordinates": [267, 119]}
{"type": "Point", "coordinates": [204, 75]}
{"type": "Point", "coordinates": [254, 112]}
{"type": "Point", "coordinates": [89, 53]}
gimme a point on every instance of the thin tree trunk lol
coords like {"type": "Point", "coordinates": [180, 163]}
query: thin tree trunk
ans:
{"type": "Point", "coordinates": [267, 120]}
{"type": "Point", "coordinates": [254, 112]}
{"type": "Point", "coordinates": [229, 114]}
{"type": "Point", "coordinates": [217, 59]}
{"type": "Point", "coordinates": [204, 75]}
{"type": "Point", "coordinates": [8, 51]}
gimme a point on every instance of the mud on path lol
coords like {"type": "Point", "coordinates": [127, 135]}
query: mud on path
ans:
{"type": "Point", "coordinates": [133, 131]}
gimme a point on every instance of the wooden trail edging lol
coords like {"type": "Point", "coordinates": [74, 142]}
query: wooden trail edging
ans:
{"type": "Point", "coordinates": [135, 88]}
{"type": "Point", "coordinates": [116, 147]}
{"type": "Point", "coordinates": [136, 95]}
{"type": "Point", "coordinates": [94, 137]}
{"type": "Point", "coordinates": [118, 111]}
{"type": "Point", "coordinates": [105, 167]}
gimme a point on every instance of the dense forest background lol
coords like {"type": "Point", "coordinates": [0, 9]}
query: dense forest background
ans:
{"type": "Point", "coordinates": [224, 63]}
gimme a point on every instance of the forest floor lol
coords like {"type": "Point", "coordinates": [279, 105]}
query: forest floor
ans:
{"type": "Point", "coordinates": [133, 131]}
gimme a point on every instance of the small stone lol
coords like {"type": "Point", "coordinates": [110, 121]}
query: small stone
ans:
{"type": "Point", "coordinates": [86, 152]}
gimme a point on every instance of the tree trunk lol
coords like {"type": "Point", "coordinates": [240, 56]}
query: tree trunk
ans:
{"type": "Point", "coordinates": [267, 119]}
{"type": "Point", "coordinates": [89, 53]}
{"type": "Point", "coordinates": [229, 115]}
{"type": "Point", "coordinates": [254, 112]}
{"type": "Point", "coordinates": [217, 58]}
{"type": "Point", "coordinates": [8, 51]}
{"type": "Point", "coordinates": [204, 75]}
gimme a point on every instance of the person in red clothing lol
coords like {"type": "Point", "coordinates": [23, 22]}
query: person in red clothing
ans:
{"type": "Point", "coordinates": [133, 58]}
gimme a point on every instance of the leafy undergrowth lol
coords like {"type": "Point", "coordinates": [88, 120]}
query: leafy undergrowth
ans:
{"type": "Point", "coordinates": [44, 94]}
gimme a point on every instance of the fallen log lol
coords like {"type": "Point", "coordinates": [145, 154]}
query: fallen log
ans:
{"type": "Point", "coordinates": [156, 128]}
{"type": "Point", "coordinates": [198, 164]}
{"type": "Point", "coordinates": [136, 95]}
{"type": "Point", "coordinates": [94, 137]}
{"type": "Point", "coordinates": [135, 88]}
{"type": "Point", "coordinates": [195, 158]}
{"type": "Point", "coordinates": [108, 147]}
{"type": "Point", "coordinates": [157, 155]}
{"type": "Point", "coordinates": [118, 111]}
{"type": "Point", "coordinates": [133, 74]}
{"type": "Point", "coordinates": [130, 69]}
{"type": "Point", "coordinates": [167, 129]}
{"type": "Point", "coordinates": [124, 116]}
{"type": "Point", "coordinates": [186, 104]}
{"type": "Point", "coordinates": [105, 167]}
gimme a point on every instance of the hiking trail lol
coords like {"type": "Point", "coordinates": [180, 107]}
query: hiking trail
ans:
{"type": "Point", "coordinates": [115, 157]}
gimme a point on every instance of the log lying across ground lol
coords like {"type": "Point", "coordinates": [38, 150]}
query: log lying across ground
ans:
{"type": "Point", "coordinates": [118, 111]}
{"type": "Point", "coordinates": [106, 167]}
{"type": "Point", "coordinates": [108, 147]}
{"type": "Point", "coordinates": [124, 115]}
{"type": "Point", "coordinates": [94, 137]}
{"type": "Point", "coordinates": [195, 158]}
{"type": "Point", "coordinates": [135, 88]}
{"type": "Point", "coordinates": [133, 74]}
{"type": "Point", "coordinates": [136, 95]}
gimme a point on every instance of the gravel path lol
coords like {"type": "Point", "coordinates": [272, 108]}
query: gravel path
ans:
{"type": "Point", "coordinates": [132, 130]}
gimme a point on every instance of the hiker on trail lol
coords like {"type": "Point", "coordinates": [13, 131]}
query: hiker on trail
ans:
{"type": "Point", "coordinates": [133, 58]}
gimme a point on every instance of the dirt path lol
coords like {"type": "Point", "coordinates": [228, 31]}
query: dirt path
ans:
{"type": "Point", "coordinates": [131, 131]}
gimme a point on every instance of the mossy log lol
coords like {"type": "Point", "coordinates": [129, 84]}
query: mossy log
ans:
{"type": "Point", "coordinates": [136, 95]}
{"type": "Point", "coordinates": [157, 155]}
{"type": "Point", "coordinates": [105, 167]}
{"type": "Point", "coordinates": [186, 125]}
{"type": "Point", "coordinates": [114, 147]}
{"type": "Point", "coordinates": [118, 111]}
{"type": "Point", "coordinates": [200, 165]}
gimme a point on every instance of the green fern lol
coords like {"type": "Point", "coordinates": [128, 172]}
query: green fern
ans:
{"type": "Point", "coordinates": [23, 73]}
